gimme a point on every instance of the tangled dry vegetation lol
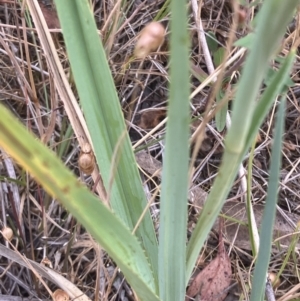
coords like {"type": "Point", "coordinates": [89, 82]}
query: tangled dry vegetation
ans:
{"type": "Point", "coordinates": [45, 235]}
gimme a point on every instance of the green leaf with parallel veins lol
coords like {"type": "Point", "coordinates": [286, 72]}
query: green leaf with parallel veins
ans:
{"type": "Point", "coordinates": [59, 182]}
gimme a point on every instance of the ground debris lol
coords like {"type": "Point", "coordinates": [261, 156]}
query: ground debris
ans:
{"type": "Point", "coordinates": [211, 283]}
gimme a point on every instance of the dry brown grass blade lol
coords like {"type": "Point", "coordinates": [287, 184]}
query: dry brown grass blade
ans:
{"type": "Point", "coordinates": [45, 272]}
{"type": "Point", "coordinates": [61, 83]}
{"type": "Point", "coordinates": [291, 294]}
{"type": "Point", "coordinates": [18, 71]}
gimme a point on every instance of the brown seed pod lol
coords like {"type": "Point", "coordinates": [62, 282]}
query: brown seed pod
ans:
{"type": "Point", "coordinates": [60, 295]}
{"type": "Point", "coordinates": [272, 277]}
{"type": "Point", "coordinates": [7, 233]}
{"type": "Point", "coordinates": [86, 161]}
{"type": "Point", "coordinates": [151, 37]}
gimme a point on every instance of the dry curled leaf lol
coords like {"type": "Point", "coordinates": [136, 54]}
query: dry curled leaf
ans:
{"type": "Point", "coordinates": [211, 283]}
{"type": "Point", "coordinates": [151, 37]}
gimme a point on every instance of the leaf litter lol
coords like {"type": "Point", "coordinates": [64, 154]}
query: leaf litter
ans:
{"type": "Point", "coordinates": [212, 282]}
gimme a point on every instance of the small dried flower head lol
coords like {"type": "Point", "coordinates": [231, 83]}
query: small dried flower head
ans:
{"type": "Point", "coordinates": [7, 233]}
{"type": "Point", "coordinates": [86, 161]}
{"type": "Point", "coordinates": [60, 295]}
{"type": "Point", "coordinates": [150, 38]}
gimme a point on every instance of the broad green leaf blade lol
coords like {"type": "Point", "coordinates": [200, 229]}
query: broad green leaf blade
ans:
{"type": "Point", "coordinates": [266, 231]}
{"type": "Point", "coordinates": [237, 142]}
{"type": "Point", "coordinates": [173, 202]}
{"type": "Point", "coordinates": [105, 120]}
{"type": "Point", "coordinates": [107, 229]}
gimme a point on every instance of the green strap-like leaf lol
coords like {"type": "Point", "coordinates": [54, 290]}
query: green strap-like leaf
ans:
{"type": "Point", "coordinates": [173, 203]}
{"type": "Point", "coordinates": [107, 229]}
{"type": "Point", "coordinates": [266, 231]}
{"type": "Point", "coordinates": [105, 120]}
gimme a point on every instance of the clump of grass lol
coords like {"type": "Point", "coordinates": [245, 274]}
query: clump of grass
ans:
{"type": "Point", "coordinates": [45, 228]}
